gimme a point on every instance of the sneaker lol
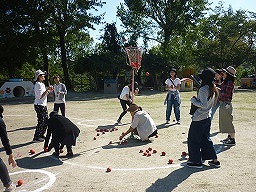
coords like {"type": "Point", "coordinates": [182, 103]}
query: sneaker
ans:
{"type": "Point", "coordinates": [178, 122]}
{"type": "Point", "coordinates": [70, 154]}
{"type": "Point", "coordinates": [12, 187]}
{"type": "Point", "coordinates": [224, 140]}
{"type": "Point", "coordinates": [38, 140]}
{"type": "Point", "coordinates": [230, 142]}
{"type": "Point", "coordinates": [118, 123]}
{"type": "Point", "coordinates": [195, 165]}
{"type": "Point", "coordinates": [216, 164]}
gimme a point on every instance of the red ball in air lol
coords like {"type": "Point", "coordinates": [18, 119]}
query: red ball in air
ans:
{"type": "Point", "coordinates": [147, 74]}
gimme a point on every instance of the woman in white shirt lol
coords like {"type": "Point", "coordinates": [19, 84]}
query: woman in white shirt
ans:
{"type": "Point", "coordinates": [40, 105]}
{"type": "Point", "coordinates": [173, 96]}
{"type": "Point", "coordinates": [142, 124]}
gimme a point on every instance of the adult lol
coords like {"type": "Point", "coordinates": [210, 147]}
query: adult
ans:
{"type": "Point", "coordinates": [125, 101]}
{"type": "Point", "coordinates": [218, 82]}
{"type": "Point", "coordinates": [142, 124]}
{"type": "Point", "coordinates": [63, 132]}
{"type": "Point", "coordinates": [200, 146]}
{"type": "Point", "coordinates": [173, 96]}
{"type": "Point", "coordinates": [40, 105]}
{"type": "Point", "coordinates": [4, 174]}
{"type": "Point", "coordinates": [225, 112]}
{"type": "Point", "coordinates": [59, 95]}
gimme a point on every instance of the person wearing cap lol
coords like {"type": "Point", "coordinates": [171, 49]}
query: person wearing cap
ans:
{"type": "Point", "coordinates": [59, 95]}
{"type": "Point", "coordinates": [200, 146]}
{"type": "Point", "coordinates": [225, 112]}
{"type": "Point", "coordinates": [142, 123]}
{"type": "Point", "coordinates": [218, 81]}
{"type": "Point", "coordinates": [4, 174]}
{"type": "Point", "coordinates": [40, 105]}
{"type": "Point", "coordinates": [173, 97]}
{"type": "Point", "coordinates": [62, 132]}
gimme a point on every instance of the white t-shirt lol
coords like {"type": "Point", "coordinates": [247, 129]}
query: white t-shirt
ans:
{"type": "Point", "coordinates": [126, 90]}
{"type": "Point", "coordinates": [176, 82]}
{"type": "Point", "coordinates": [144, 124]}
{"type": "Point", "coordinates": [39, 90]}
{"type": "Point", "coordinates": [60, 97]}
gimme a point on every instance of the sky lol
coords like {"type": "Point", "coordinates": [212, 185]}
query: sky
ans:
{"type": "Point", "coordinates": [110, 12]}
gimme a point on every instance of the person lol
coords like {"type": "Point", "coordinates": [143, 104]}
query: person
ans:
{"type": "Point", "coordinates": [218, 81]}
{"type": "Point", "coordinates": [4, 174]}
{"type": "Point", "coordinates": [63, 132]}
{"type": "Point", "coordinates": [142, 124]}
{"type": "Point", "coordinates": [125, 100]}
{"type": "Point", "coordinates": [40, 105]}
{"type": "Point", "coordinates": [200, 146]}
{"type": "Point", "coordinates": [173, 97]}
{"type": "Point", "coordinates": [225, 111]}
{"type": "Point", "coordinates": [59, 95]}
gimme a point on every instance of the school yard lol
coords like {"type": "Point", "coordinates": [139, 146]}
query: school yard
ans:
{"type": "Point", "coordinates": [130, 170]}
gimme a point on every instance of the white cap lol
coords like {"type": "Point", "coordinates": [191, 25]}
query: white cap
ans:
{"type": "Point", "coordinates": [37, 73]}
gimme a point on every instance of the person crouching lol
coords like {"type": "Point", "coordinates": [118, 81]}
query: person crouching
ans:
{"type": "Point", "coordinates": [142, 124]}
{"type": "Point", "coordinates": [63, 132]}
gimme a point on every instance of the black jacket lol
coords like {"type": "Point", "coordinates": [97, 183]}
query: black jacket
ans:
{"type": "Point", "coordinates": [4, 137]}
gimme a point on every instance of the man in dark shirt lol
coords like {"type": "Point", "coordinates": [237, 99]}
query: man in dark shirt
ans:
{"type": "Point", "coordinates": [4, 174]}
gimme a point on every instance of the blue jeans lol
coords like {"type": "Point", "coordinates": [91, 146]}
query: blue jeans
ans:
{"type": "Point", "coordinates": [200, 146]}
{"type": "Point", "coordinates": [214, 109]}
{"type": "Point", "coordinates": [176, 105]}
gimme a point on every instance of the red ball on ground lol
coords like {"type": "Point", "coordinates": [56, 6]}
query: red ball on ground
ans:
{"type": "Point", "coordinates": [141, 151]}
{"type": "Point", "coordinates": [109, 169]}
{"type": "Point", "coordinates": [32, 151]}
{"type": "Point", "coordinates": [149, 154]}
{"type": "Point", "coordinates": [163, 153]}
{"type": "Point", "coordinates": [154, 151]}
{"type": "Point", "coordinates": [173, 120]}
{"type": "Point", "coordinates": [170, 161]}
{"type": "Point", "coordinates": [145, 154]}
{"type": "Point", "coordinates": [150, 149]}
{"type": "Point", "coordinates": [184, 153]}
{"type": "Point", "coordinates": [20, 182]}
{"type": "Point", "coordinates": [94, 138]}
{"type": "Point", "coordinates": [103, 132]}
{"type": "Point", "coordinates": [147, 151]}
{"type": "Point", "coordinates": [98, 130]}
{"type": "Point", "coordinates": [46, 149]}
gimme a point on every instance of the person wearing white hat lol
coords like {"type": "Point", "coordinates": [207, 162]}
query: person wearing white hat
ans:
{"type": "Point", "coordinates": [226, 108]}
{"type": "Point", "coordinates": [40, 105]}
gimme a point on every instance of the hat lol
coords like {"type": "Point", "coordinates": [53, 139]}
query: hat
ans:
{"type": "Point", "coordinates": [230, 70]}
{"type": "Point", "coordinates": [173, 69]}
{"type": "Point", "coordinates": [208, 75]}
{"type": "Point", "coordinates": [38, 73]}
{"type": "Point", "coordinates": [219, 71]}
{"type": "Point", "coordinates": [133, 107]}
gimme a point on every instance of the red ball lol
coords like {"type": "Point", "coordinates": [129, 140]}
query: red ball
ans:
{"type": "Point", "coordinates": [163, 153]}
{"type": "Point", "coordinates": [46, 149]}
{"type": "Point", "coordinates": [94, 138]}
{"type": "Point", "coordinates": [149, 154]}
{"type": "Point", "coordinates": [32, 151]}
{"type": "Point", "coordinates": [109, 169]}
{"type": "Point", "coordinates": [154, 151]}
{"type": "Point", "coordinates": [170, 161]}
{"type": "Point", "coordinates": [145, 154]}
{"type": "Point", "coordinates": [98, 134]}
{"type": "Point", "coordinates": [184, 153]}
{"type": "Point", "coordinates": [150, 149]}
{"type": "Point", "coordinates": [141, 151]}
{"type": "Point", "coordinates": [20, 182]}
{"type": "Point", "coordinates": [147, 74]}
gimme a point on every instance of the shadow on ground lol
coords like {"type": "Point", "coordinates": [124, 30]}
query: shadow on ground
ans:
{"type": "Point", "coordinates": [35, 162]}
{"type": "Point", "coordinates": [22, 129]}
{"type": "Point", "coordinates": [175, 178]}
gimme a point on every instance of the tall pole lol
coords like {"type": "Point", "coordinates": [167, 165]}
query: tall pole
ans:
{"type": "Point", "coordinates": [133, 84]}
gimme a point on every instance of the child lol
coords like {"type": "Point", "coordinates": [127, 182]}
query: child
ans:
{"type": "Point", "coordinates": [225, 112]}
{"type": "Point", "coordinates": [200, 146]}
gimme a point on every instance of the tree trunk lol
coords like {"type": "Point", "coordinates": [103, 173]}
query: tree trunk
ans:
{"type": "Point", "coordinates": [64, 61]}
{"type": "Point", "coordinates": [46, 66]}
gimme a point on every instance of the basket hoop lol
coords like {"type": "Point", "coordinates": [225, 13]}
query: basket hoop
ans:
{"type": "Point", "coordinates": [134, 55]}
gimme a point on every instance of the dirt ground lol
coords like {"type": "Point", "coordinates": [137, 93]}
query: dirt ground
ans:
{"type": "Point", "coordinates": [131, 171]}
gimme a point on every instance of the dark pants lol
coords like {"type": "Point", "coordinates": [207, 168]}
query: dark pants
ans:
{"type": "Point", "coordinates": [200, 146]}
{"type": "Point", "coordinates": [42, 118]}
{"type": "Point", "coordinates": [4, 174]}
{"type": "Point", "coordinates": [60, 106]}
{"type": "Point", "coordinates": [124, 105]}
